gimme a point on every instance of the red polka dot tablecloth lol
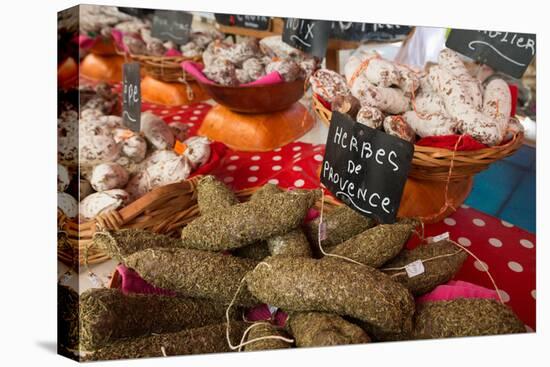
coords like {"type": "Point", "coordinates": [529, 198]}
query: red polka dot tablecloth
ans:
{"type": "Point", "coordinates": [506, 251]}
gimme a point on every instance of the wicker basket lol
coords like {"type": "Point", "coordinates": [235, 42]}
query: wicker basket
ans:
{"type": "Point", "coordinates": [430, 163]}
{"type": "Point", "coordinates": [165, 68]}
{"type": "Point", "coordinates": [164, 210]}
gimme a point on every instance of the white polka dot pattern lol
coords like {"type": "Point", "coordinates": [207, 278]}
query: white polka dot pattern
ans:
{"type": "Point", "coordinates": [526, 243]}
{"type": "Point", "coordinates": [506, 224]}
{"type": "Point", "coordinates": [505, 296]}
{"type": "Point", "coordinates": [478, 222]}
{"type": "Point", "coordinates": [481, 265]}
{"type": "Point", "coordinates": [515, 266]}
{"type": "Point", "coordinates": [449, 221]}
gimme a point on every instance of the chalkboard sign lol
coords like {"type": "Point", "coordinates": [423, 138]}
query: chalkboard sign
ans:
{"type": "Point", "coordinates": [170, 25]}
{"type": "Point", "coordinates": [366, 168]}
{"type": "Point", "coordinates": [246, 21]}
{"type": "Point", "coordinates": [136, 12]}
{"type": "Point", "coordinates": [131, 95]}
{"type": "Point", "coordinates": [351, 31]}
{"type": "Point", "coordinates": [507, 52]}
{"type": "Point", "coordinates": [310, 36]}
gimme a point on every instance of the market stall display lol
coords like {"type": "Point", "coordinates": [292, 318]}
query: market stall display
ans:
{"type": "Point", "coordinates": [195, 227]}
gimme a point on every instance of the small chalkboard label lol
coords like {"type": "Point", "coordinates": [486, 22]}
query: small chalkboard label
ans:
{"type": "Point", "coordinates": [245, 21]}
{"type": "Point", "coordinates": [310, 36]}
{"type": "Point", "coordinates": [507, 52]}
{"type": "Point", "coordinates": [366, 168]}
{"type": "Point", "coordinates": [352, 31]}
{"type": "Point", "coordinates": [171, 25]}
{"type": "Point", "coordinates": [136, 12]}
{"type": "Point", "coordinates": [131, 95]}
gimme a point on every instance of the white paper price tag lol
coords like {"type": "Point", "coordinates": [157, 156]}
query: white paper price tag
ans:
{"type": "Point", "coordinates": [322, 231]}
{"type": "Point", "coordinates": [65, 277]}
{"type": "Point", "coordinates": [415, 268]}
{"type": "Point", "coordinates": [96, 281]}
{"type": "Point", "coordinates": [441, 237]}
{"type": "Point", "coordinates": [272, 309]}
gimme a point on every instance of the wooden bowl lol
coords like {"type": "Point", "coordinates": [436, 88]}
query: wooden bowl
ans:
{"type": "Point", "coordinates": [257, 99]}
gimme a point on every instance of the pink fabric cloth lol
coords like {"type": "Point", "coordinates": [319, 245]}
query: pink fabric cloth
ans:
{"type": "Point", "coordinates": [172, 52]}
{"type": "Point", "coordinates": [312, 214]}
{"type": "Point", "coordinates": [117, 37]}
{"type": "Point", "coordinates": [195, 70]}
{"type": "Point", "coordinates": [262, 313]}
{"type": "Point", "coordinates": [85, 42]}
{"type": "Point", "coordinates": [457, 289]}
{"type": "Point", "coordinates": [133, 283]}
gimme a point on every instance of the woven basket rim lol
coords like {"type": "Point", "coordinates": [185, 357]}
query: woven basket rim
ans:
{"type": "Point", "coordinates": [136, 214]}
{"type": "Point", "coordinates": [164, 58]}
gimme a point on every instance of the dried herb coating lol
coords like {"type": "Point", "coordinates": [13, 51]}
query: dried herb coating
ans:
{"type": "Point", "coordinates": [437, 271]}
{"type": "Point", "coordinates": [415, 222]}
{"type": "Point", "coordinates": [265, 191]}
{"type": "Point", "coordinates": [246, 223]}
{"type": "Point", "coordinates": [293, 243]}
{"type": "Point", "coordinates": [256, 251]}
{"type": "Point", "coordinates": [107, 315]}
{"type": "Point", "coordinates": [465, 317]}
{"type": "Point", "coordinates": [375, 246]}
{"type": "Point", "coordinates": [344, 288]}
{"type": "Point", "coordinates": [207, 339]}
{"type": "Point", "coordinates": [384, 336]}
{"type": "Point", "coordinates": [262, 330]}
{"type": "Point", "coordinates": [318, 329]}
{"type": "Point", "coordinates": [213, 195]}
{"type": "Point", "coordinates": [342, 223]}
{"type": "Point", "coordinates": [124, 242]}
{"type": "Point", "coordinates": [195, 273]}
{"type": "Point", "coordinates": [67, 319]}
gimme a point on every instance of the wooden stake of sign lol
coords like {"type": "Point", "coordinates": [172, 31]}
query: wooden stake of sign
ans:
{"type": "Point", "coordinates": [131, 95]}
{"type": "Point", "coordinates": [366, 168]}
{"type": "Point", "coordinates": [510, 53]}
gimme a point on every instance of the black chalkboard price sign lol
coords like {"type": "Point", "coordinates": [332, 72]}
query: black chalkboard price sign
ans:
{"type": "Point", "coordinates": [170, 25]}
{"type": "Point", "coordinates": [366, 168]}
{"type": "Point", "coordinates": [131, 95]}
{"type": "Point", "coordinates": [352, 31]}
{"type": "Point", "coordinates": [310, 36]}
{"type": "Point", "coordinates": [507, 52]}
{"type": "Point", "coordinates": [245, 21]}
